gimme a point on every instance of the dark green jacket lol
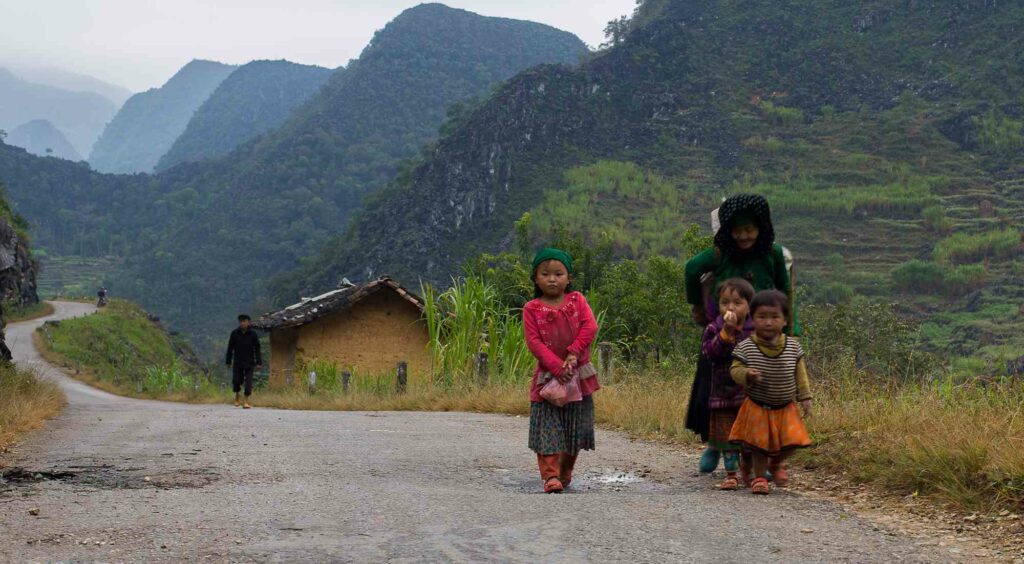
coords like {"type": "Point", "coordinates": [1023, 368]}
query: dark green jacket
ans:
{"type": "Point", "coordinates": [765, 272]}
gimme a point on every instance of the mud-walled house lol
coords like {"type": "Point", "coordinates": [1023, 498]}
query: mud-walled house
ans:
{"type": "Point", "coordinates": [363, 328]}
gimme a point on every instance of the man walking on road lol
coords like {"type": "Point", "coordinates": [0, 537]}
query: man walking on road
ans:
{"type": "Point", "coordinates": [243, 356]}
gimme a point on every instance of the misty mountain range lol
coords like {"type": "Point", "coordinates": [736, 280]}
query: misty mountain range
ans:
{"type": "Point", "coordinates": [79, 116]}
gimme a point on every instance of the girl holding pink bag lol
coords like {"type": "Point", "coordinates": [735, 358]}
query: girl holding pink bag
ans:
{"type": "Point", "coordinates": [559, 327]}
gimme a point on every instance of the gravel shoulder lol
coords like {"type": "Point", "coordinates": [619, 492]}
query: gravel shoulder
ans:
{"type": "Point", "coordinates": [116, 479]}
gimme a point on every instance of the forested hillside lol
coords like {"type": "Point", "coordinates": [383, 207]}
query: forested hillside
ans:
{"type": "Point", "coordinates": [888, 136]}
{"type": "Point", "coordinates": [40, 137]}
{"type": "Point", "coordinates": [74, 210]}
{"type": "Point", "coordinates": [257, 97]}
{"type": "Point", "coordinates": [149, 122]}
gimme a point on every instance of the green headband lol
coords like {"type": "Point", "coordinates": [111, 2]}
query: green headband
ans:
{"type": "Point", "coordinates": [552, 253]}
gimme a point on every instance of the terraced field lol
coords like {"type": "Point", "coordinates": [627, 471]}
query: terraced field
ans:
{"type": "Point", "coordinates": [71, 276]}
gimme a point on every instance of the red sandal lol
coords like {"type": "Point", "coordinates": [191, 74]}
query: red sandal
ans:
{"type": "Point", "coordinates": [730, 484]}
{"type": "Point", "coordinates": [553, 485]}
{"type": "Point", "coordinates": [760, 486]}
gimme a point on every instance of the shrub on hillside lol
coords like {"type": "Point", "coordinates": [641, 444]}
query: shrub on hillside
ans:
{"type": "Point", "coordinates": [965, 278]}
{"type": "Point", "coordinates": [834, 293]}
{"type": "Point", "coordinates": [935, 219]}
{"type": "Point", "coordinates": [871, 338]}
{"type": "Point", "coordinates": [1000, 134]}
{"type": "Point", "coordinates": [781, 115]}
{"type": "Point", "coordinates": [917, 275]}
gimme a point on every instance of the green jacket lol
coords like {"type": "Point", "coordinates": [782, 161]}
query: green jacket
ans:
{"type": "Point", "coordinates": [765, 272]}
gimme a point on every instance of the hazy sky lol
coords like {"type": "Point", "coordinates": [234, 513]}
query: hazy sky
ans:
{"type": "Point", "coordinates": [139, 44]}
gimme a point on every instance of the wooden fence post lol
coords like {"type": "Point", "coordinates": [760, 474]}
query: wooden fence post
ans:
{"type": "Point", "coordinates": [312, 383]}
{"type": "Point", "coordinates": [402, 377]}
{"type": "Point", "coordinates": [481, 369]}
{"type": "Point", "coordinates": [346, 377]}
{"type": "Point", "coordinates": [605, 361]}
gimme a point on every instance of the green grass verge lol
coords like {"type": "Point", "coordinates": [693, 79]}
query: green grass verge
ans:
{"type": "Point", "coordinates": [120, 350]}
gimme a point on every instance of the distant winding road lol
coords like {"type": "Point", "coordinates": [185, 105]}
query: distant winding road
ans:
{"type": "Point", "coordinates": [115, 479]}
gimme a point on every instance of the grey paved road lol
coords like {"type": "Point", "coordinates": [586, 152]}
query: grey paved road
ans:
{"type": "Point", "coordinates": [116, 479]}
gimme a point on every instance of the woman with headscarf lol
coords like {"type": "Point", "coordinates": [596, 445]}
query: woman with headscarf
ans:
{"type": "Point", "coordinates": [744, 247]}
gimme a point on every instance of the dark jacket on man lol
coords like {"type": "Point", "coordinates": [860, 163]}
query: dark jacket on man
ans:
{"type": "Point", "coordinates": [244, 349]}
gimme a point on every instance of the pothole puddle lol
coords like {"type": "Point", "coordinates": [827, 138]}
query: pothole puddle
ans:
{"type": "Point", "coordinates": [615, 479]}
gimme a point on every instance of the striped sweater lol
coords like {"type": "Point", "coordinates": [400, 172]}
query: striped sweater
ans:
{"type": "Point", "coordinates": [783, 372]}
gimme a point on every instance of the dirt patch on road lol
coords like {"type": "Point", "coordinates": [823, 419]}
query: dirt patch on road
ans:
{"type": "Point", "coordinates": [107, 476]}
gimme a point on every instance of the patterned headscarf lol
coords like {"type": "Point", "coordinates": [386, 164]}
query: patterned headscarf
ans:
{"type": "Point", "coordinates": [552, 253]}
{"type": "Point", "coordinates": [740, 209]}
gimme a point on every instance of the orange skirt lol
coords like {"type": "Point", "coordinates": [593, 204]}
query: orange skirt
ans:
{"type": "Point", "coordinates": [770, 431]}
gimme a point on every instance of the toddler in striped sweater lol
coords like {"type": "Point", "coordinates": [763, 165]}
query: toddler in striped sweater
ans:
{"type": "Point", "coordinates": [770, 365]}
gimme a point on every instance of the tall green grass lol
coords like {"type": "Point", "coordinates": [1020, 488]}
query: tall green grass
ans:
{"type": "Point", "coordinates": [468, 318]}
{"type": "Point", "coordinates": [330, 382]}
{"type": "Point", "coordinates": [976, 247]}
{"type": "Point", "coordinates": [170, 378]}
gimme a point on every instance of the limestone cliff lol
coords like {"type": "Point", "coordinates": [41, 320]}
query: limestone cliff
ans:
{"type": "Point", "coordinates": [17, 267]}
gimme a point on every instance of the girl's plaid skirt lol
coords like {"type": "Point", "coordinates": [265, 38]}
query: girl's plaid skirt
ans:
{"type": "Point", "coordinates": [720, 426]}
{"type": "Point", "coordinates": [562, 429]}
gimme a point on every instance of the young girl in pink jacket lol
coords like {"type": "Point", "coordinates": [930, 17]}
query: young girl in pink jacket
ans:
{"type": "Point", "coordinates": [559, 327]}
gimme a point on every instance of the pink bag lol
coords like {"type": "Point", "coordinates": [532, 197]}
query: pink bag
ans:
{"type": "Point", "coordinates": [559, 394]}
